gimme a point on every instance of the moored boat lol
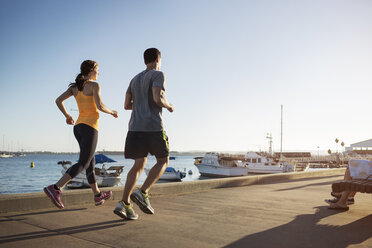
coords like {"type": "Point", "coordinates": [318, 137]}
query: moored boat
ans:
{"type": "Point", "coordinates": [178, 173]}
{"type": "Point", "coordinates": [261, 163]}
{"type": "Point", "coordinates": [225, 165]}
{"type": "Point", "coordinates": [220, 165]}
{"type": "Point", "coordinates": [105, 177]}
{"type": "Point", "coordinates": [6, 155]}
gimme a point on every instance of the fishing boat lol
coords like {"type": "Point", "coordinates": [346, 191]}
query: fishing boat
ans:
{"type": "Point", "coordinates": [261, 163]}
{"type": "Point", "coordinates": [105, 177]}
{"type": "Point", "coordinates": [220, 165]}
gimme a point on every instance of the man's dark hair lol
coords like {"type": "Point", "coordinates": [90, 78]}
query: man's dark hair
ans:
{"type": "Point", "coordinates": [150, 55]}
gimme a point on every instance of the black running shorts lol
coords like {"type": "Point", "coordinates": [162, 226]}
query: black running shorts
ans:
{"type": "Point", "coordinates": [140, 144]}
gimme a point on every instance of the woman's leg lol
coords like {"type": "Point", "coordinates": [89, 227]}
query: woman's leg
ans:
{"type": "Point", "coordinates": [91, 177]}
{"type": "Point", "coordinates": [67, 177]}
{"type": "Point", "coordinates": [63, 181]}
{"type": "Point", "coordinates": [87, 138]}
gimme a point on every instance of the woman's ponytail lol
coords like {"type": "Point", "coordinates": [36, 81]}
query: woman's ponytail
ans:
{"type": "Point", "coordinates": [85, 67]}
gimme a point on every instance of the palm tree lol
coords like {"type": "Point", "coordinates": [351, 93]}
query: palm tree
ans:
{"type": "Point", "coordinates": [336, 140]}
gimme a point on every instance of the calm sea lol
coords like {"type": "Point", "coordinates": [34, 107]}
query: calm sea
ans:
{"type": "Point", "coordinates": [16, 175]}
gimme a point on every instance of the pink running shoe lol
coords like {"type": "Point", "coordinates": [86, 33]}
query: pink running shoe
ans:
{"type": "Point", "coordinates": [99, 200]}
{"type": "Point", "coordinates": [54, 195]}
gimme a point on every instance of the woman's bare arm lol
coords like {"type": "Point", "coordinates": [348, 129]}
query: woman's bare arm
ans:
{"type": "Point", "coordinates": [98, 100]}
{"type": "Point", "coordinates": [61, 106]}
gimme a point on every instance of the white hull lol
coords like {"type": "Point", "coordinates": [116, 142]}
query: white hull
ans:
{"type": "Point", "coordinates": [208, 170]}
{"type": "Point", "coordinates": [265, 170]}
{"type": "Point", "coordinates": [6, 155]}
{"type": "Point", "coordinates": [102, 180]}
{"type": "Point", "coordinates": [78, 182]}
{"type": "Point", "coordinates": [170, 176]}
{"type": "Point", "coordinates": [179, 174]}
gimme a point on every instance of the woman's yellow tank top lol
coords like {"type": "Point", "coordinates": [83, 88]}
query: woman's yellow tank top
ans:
{"type": "Point", "coordinates": [88, 112]}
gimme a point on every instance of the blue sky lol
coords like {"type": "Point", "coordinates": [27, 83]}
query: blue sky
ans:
{"type": "Point", "coordinates": [229, 67]}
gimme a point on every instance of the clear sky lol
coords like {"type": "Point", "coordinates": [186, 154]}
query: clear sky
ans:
{"type": "Point", "coordinates": [229, 67]}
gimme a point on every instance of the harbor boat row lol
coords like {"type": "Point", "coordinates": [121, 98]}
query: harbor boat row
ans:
{"type": "Point", "coordinates": [11, 155]}
{"type": "Point", "coordinates": [225, 165]}
{"type": "Point", "coordinates": [210, 165]}
{"type": "Point", "coordinates": [111, 176]}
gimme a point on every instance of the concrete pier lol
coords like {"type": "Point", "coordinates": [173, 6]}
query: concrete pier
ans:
{"type": "Point", "coordinates": [271, 211]}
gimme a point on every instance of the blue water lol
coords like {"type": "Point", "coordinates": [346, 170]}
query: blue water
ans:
{"type": "Point", "coordinates": [16, 175]}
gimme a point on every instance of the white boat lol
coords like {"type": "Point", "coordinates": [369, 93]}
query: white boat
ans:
{"type": "Point", "coordinates": [260, 163]}
{"type": "Point", "coordinates": [104, 177]}
{"type": "Point", "coordinates": [220, 165]}
{"type": "Point", "coordinates": [178, 173]}
{"type": "Point", "coordinates": [6, 155]}
{"type": "Point", "coordinates": [217, 165]}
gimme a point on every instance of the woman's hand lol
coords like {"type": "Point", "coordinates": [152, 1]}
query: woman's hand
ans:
{"type": "Point", "coordinates": [70, 120]}
{"type": "Point", "coordinates": [114, 113]}
{"type": "Point", "coordinates": [171, 108]}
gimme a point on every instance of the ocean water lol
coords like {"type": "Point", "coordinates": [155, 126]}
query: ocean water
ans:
{"type": "Point", "coordinates": [16, 175]}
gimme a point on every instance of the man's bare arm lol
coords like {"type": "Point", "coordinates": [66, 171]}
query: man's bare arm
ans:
{"type": "Point", "coordinates": [160, 100]}
{"type": "Point", "coordinates": [128, 102]}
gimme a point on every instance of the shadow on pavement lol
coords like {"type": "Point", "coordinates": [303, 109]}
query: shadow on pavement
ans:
{"type": "Point", "coordinates": [304, 231]}
{"type": "Point", "coordinates": [61, 231]}
{"type": "Point", "coordinates": [44, 212]}
{"type": "Point", "coordinates": [329, 183]}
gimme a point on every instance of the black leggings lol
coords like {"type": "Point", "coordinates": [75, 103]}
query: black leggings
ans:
{"type": "Point", "coordinates": [87, 138]}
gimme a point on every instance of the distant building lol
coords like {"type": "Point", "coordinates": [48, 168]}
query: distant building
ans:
{"type": "Point", "coordinates": [363, 147]}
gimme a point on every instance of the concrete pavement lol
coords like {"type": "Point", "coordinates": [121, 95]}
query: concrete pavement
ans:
{"type": "Point", "coordinates": [289, 213]}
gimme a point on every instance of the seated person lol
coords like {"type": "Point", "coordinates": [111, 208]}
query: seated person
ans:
{"type": "Point", "coordinates": [342, 200]}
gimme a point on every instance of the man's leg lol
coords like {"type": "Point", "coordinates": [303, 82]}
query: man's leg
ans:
{"type": "Point", "coordinates": [141, 196]}
{"type": "Point", "coordinates": [157, 143]}
{"type": "Point", "coordinates": [154, 174]}
{"type": "Point", "coordinates": [139, 164]}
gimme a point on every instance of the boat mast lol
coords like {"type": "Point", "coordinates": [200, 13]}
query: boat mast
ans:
{"type": "Point", "coordinates": [269, 136]}
{"type": "Point", "coordinates": [281, 132]}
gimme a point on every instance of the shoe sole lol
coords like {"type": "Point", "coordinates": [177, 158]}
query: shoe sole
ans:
{"type": "Point", "coordinates": [143, 207]}
{"type": "Point", "coordinates": [51, 197]}
{"type": "Point", "coordinates": [123, 216]}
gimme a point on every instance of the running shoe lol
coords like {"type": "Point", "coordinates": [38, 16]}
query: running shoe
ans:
{"type": "Point", "coordinates": [99, 200]}
{"type": "Point", "coordinates": [125, 211]}
{"type": "Point", "coordinates": [142, 200]}
{"type": "Point", "coordinates": [54, 195]}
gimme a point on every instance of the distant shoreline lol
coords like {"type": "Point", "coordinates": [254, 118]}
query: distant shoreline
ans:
{"type": "Point", "coordinates": [172, 153]}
